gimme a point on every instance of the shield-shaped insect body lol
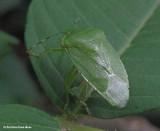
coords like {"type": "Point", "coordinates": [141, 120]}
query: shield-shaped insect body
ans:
{"type": "Point", "coordinates": [99, 64]}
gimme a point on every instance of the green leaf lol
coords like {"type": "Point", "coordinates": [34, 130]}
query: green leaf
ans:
{"type": "Point", "coordinates": [34, 119]}
{"type": "Point", "coordinates": [132, 27]}
{"type": "Point", "coordinates": [6, 41]}
{"type": "Point", "coordinates": [16, 85]}
{"type": "Point", "coordinates": [99, 64]}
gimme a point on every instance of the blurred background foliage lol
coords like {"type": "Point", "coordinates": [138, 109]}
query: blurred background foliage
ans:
{"type": "Point", "coordinates": [16, 80]}
{"type": "Point", "coordinates": [18, 83]}
{"type": "Point", "coordinates": [7, 5]}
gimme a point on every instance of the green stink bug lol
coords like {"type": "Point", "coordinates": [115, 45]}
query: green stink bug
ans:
{"type": "Point", "coordinates": [98, 63]}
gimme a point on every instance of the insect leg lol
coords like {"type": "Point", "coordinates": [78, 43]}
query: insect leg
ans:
{"type": "Point", "coordinates": [70, 78]}
{"type": "Point", "coordinates": [86, 107]}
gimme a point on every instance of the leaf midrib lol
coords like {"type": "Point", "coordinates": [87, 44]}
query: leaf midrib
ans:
{"type": "Point", "coordinates": [139, 28]}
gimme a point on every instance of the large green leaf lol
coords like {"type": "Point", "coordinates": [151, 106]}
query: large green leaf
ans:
{"type": "Point", "coordinates": [22, 118]}
{"type": "Point", "coordinates": [16, 85]}
{"type": "Point", "coordinates": [26, 118]}
{"type": "Point", "coordinates": [132, 28]}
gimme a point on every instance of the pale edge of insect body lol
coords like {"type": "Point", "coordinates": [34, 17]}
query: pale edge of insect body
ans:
{"type": "Point", "coordinates": [117, 91]}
